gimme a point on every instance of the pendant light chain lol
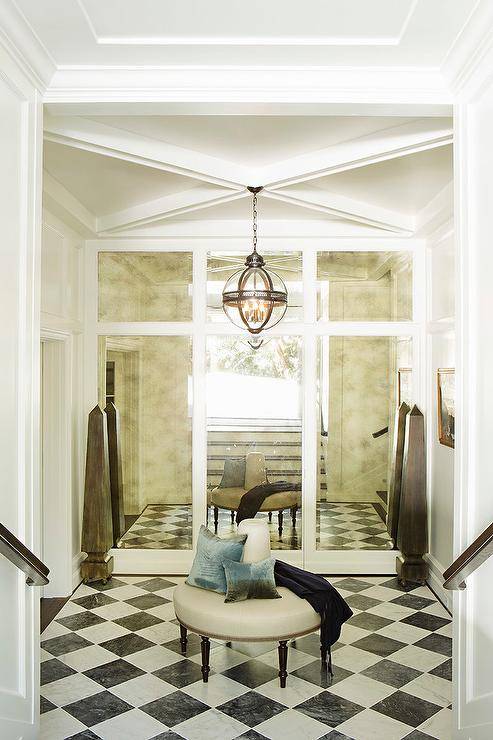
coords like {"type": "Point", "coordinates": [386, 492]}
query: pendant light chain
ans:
{"type": "Point", "coordinates": [255, 222]}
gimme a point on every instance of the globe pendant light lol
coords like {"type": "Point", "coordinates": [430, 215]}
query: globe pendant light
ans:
{"type": "Point", "coordinates": [255, 298]}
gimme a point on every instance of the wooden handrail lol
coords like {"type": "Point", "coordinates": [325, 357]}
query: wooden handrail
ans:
{"type": "Point", "coordinates": [18, 554]}
{"type": "Point", "coordinates": [469, 560]}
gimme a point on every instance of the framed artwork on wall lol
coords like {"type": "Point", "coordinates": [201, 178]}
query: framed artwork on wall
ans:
{"type": "Point", "coordinates": [446, 406]}
{"type": "Point", "coordinates": [404, 386]}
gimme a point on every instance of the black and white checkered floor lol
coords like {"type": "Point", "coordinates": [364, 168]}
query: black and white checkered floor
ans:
{"type": "Point", "coordinates": [340, 526]}
{"type": "Point", "coordinates": [112, 668]}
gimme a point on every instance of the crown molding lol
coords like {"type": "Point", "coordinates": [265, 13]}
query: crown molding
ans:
{"type": "Point", "coordinates": [266, 85]}
{"type": "Point", "coordinates": [466, 66]}
{"type": "Point", "coordinates": [23, 46]}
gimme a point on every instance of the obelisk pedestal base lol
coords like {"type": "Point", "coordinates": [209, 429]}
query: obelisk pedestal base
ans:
{"type": "Point", "coordinates": [96, 567]}
{"type": "Point", "coordinates": [411, 569]}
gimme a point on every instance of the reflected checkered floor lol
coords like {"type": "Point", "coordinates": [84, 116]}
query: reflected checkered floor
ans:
{"type": "Point", "coordinates": [112, 669]}
{"type": "Point", "coordinates": [340, 526]}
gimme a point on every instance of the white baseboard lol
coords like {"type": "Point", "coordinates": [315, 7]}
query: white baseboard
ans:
{"type": "Point", "coordinates": [435, 581]}
{"type": "Point", "coordinates": [76, 562]}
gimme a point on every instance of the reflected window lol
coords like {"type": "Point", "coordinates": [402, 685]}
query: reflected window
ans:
{"type": "Point", "coordinates": [358, 396]}
{"type": "Point", "coordinates": [149, 381]}
{"type": "Point", "coordinates": [364, 286]}
{"type": "Point", "coordinates": [145, 286]}
{"type": "Point", "coordinates": [254, 432]}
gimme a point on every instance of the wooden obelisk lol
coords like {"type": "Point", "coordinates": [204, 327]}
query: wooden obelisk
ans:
{"type": "Point", "coordinates": [412, 532]}
{"type": "Point", "coordinates": [115, 467]}
{"type": "Point", "coordinates": [97, 527]}
{"type": "Point", "coordinates": [396, 471]}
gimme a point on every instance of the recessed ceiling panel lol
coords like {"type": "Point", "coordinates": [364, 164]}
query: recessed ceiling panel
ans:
{"type": "Point", "coordinates": [235, 21]}
{"type": "Point", "coordinates": [105, 184]}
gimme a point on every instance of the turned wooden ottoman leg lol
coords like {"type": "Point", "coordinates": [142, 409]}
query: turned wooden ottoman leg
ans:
{"type": "Point", "coordinates": [270, 517]}
{"type": "Point", "coordinates": [206, 649]}
{"type": "Point", "coordinates": [216, 518]}
{"type": "Point", "coordinates": [283, 662]}
{"type": "Point", "coordinates": [183, 639]}
{"type": "Point", "coordinates": [279, 519]}
{"type": "Point", "coordinates": [293, 515]}
{"type": "Point", "coordinates": [232, 517]}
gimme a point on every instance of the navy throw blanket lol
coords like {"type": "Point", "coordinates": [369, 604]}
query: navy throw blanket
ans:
{"type": "Point", "coordinates": [252, 500]}
{"type": "Point", "coordinates": [323, 597]}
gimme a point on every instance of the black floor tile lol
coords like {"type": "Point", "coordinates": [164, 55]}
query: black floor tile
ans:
{"type": "Point", "coordinates": [352, 584]}
{"type": "Point", "coordinates": [180, 674]}
{"type": "Point", "coordinates": [412, 602]}
{"type": "Point", "coordinates": [174, 708]}
{"type": "Point", "coordinates": [52, 670]}
{"type": "Point", "coordinates": [110, 584]}
{"type": "Point", "coordinates": [251, 708]}
{"type": "Point", "coordinates": [155, 584]}
{"type": "Point", "coordinates": [418, 735]}
{"type": "Point", "coordinates": [139, 621]}
{"type": "Point", "coordinates": [328, 708]}
{"type": "Point", "coordinates": [426, 621]}
{"type": "Point", "coordinates": [97, 708]}
{"type": "Point", "coordinates": [127, 644]}
{"type": "Point", "coordinates": [379, 645]}
{"type": "Point", "coordinates": [84, 735]}
{"type": "Point", "coordinates": [437, 644]}
{"type": "Point", "coordinates": [390, 673]}
{"type": "Point", "coordinates": [64, 644]}
{"type": "Point", "coordinates": [394, 583]}
{"type": "Point", "coordinates": [251, 735]}
{"type": "Point", "coordinates": [309, 644]}
{"type": "Point", "coordinates": [147, 601]}
{"type": "Point", "coordinates": [406, 708]}
{"type": "Point", "coordinates": [92, 601]}
{"type": "Point", "coordinates": [361, 602]}
{"type": "Point", "coordinates": [111, 674]}
{"type": "Point", "coordinates": [45, 705]}
{"type": "Point", "coordinates": [444, 670]}
{"type": "Point", "coordinates": [370, 622]}
{"type": "Point", "coordinates": [80, 621]}
{"type": "Point", "coordinates": [316, 674]}
{"type": "Point", "coordinates": [252, 673]}
{"type": "Point", "coordinates": [193, 645]}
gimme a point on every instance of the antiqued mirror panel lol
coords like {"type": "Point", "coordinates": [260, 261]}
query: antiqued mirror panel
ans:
{"type": "Point", "coordinates": [361, 382]}
{"type": "Point", "coordinates": [145, 286]}
{"type": "Point", "coordinates": [221, 265]}
{"type": "Point", "coordinates": [364, 286]}
{"type": "Point", "coordinates": [254, 427]}
{"type": "Point", "coordinates": [148, 378]}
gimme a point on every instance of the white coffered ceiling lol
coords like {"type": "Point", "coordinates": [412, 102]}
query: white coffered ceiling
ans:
{"type": "Point", "coordinates": [184, 176]}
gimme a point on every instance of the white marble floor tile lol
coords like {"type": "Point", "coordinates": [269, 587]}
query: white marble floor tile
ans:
{"type": "Point", "coordinates": [296, 658]}
{"type": "Point", "coordinates": [69, 689]}
{"type": "Point", "coordinates": [122, 593]}
{"type": "Point", "coordinates": [362, 690]}
{"type": "Point", "coordinates": [350, 633]}
{"type": "Point", "coordinates": [143, 689]}
{"type": "Point", "coordinates": [210, 725]}
{"type": "Point", "coordinates": [88, 657]}
{"type": "Point", "coordinates": [354, 659]}
{"type": "Point", "coordinates": [218, 690]}
{"type": "Point", "coordinates": [54, 630]}
{"type": "Point", "coordinates": [446, 630]}
{"type": "Point", "coordinates": [153, 658]}
{"type": "Point", "coordinates": [438, 726]}
{"type": "Point", "coordinates": [407, 633]}
{"type": "Point", "coordinates": [58, 725]}
{"type": "Point", "coordinates": [382, 593]}
{"type": "Point", "coordinates": [416, 657]}
{"type": "Point", "coordinates": [130, 725]}
{"type": "Point", "coordinates": [437, 609]}
{"type": "Point", "coordinates": [370, 725]}
{"type": "Point", "coordinates": [431, 688]}
{"type": "Point", "coordinates": [222, 658]}
{"type": "Point", "coordinates": [102, 632]}
{"type": "Point", "coordinates": [390, 611]}
{"type": "Point", "coordinates": [158, 633]}
{"type": "Point", "coordinates": [115, 611]}
{"type": "Point", "coordinates": [295, 692]}
{"type": "Point", "coordinates": [292, 725]}
{"type": "Point", "coordinates": [165, 611]}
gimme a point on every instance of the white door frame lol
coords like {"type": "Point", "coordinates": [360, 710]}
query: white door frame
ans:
{"type": "Point", "coordinates": [56, 472]}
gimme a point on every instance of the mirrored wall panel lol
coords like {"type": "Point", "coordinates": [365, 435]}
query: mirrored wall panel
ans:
{"type": "Point", "coordinates": [221, 265]}
{"type": "Point", "coordinates": [145, 286]}
{"type": "Point", "coordinates": [360, 382]}
{"type": "Point", "coordinates": [254, 403]}
{"type": "Point", "coordinates": [148, 379]}
{"type": "Point", "coordinates": [364, 286]}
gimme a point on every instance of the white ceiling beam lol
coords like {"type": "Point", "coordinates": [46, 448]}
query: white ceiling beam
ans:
{"type": "Point", "coordinates": [168, 206]}
{"type": "Point", "coordinates": [439, 210]}
{"type": "Point", "coordinates": [59, 201]}
{"type": "Point", "coordinates": [343, 207]}
{"type": "Point", "coordinates": [114, 142]}
{"type": "Point", "coordinates": [390, 143]}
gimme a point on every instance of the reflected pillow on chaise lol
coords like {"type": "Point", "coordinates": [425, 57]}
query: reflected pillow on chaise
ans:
{"type": "Point", "coordinates": [208, 565]}
{"type": "Point", "coordinates": [250, 580]}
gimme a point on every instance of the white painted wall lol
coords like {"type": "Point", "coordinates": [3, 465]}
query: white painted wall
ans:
{"type": "Point", "coordinates": [441, 354]}
{"type": "Point", "coordinates": [61, 327]}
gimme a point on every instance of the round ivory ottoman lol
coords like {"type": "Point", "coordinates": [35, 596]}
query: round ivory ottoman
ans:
{"type": "Point", "coordinates": [255, 620]}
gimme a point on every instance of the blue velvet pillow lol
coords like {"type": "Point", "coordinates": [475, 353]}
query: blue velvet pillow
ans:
{"type": "Point", "coordinates": [250, 580]}
{"type": "Point", "coordinates": [208, 565]}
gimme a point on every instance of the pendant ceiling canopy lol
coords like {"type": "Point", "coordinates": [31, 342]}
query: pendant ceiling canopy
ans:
{"type": "Point", "coordinates": [255, 298]}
